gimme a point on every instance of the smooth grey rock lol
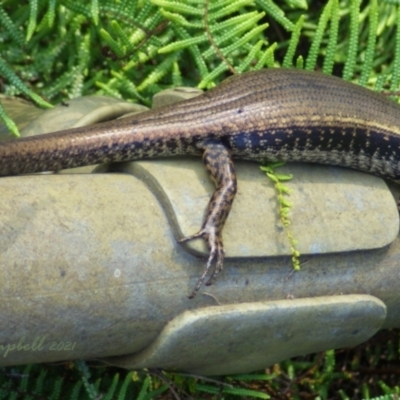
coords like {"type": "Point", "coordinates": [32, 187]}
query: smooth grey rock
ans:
{"type": "Point", "coordinates": [175, 95]}
{"type": "Point", "coordinates": [79, 112]}
{"type": "Point", "coordinates": [333, 209]}
{"type": "Point", "coordinates": [90, 264]}
{"type": "Point", "coordinates": [245, 337]}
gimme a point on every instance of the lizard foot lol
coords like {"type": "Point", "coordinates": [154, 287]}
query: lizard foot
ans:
{"type": "Point", "coordinates": [216, 249]}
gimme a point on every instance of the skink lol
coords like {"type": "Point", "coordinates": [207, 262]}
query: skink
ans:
{"type": "Point", "coordinates": [275, 114]}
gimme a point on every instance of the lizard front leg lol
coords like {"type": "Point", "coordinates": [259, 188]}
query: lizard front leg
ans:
{"type": "Point", "coordinates": [219, 163]}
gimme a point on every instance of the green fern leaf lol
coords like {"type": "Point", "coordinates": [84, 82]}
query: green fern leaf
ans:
{"type": "Point", "coordinates": [110, 393]}
{"type": "Point", "coordinates": [33, 11]}
{"type": "Point", "coordinates": [353, 40]}
{"type": "Point", "coordinates": [11, 28]}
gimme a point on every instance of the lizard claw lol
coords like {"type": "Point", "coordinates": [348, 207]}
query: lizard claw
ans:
{"type": "Point", "coordinates": [216, 248]}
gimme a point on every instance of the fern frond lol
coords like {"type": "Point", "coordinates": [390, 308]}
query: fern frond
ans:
{"type": "Point", "coordinates": [276, 13]}
{"type": "Point", "coordinates": [33, 14]}
{"type": "Point", "coordinates": [319, 34]}
{"type": "Point", "coordinates": [124, 387]}
{"type": "Point", "coordinates": [11, 28]}
{"type": "Point", "coordinates": [329, 363]}
{"type": "Point", "coordinates": [294, 41]}
{"type": "Point", "coordinates": [113, 44]}
{"type": "Point", "coordinates": [206, 82]}
{"type": "Point", "coordinates": [145, 386]}
{"type": "Point", "coordinates": [194, 50]}
{"type": "Point", "coordinates": [110, 393]}
{"type": "Point", "coordinates": [94, 11]}
{"type": "Point", "coordinates": [78, 7]}
{"type": "Point", "coordinates": [8, 122]}
{"type": "Point", "coordinates": [248, 393]}
{"type": "Point", "coordinates": [181, 20]}
{"type": "Point", "coordinates": [253, 55]}
{"type": "Point", "coordinates": [23, 385]}
{"type": "Point", "coordinates": [76, 391]}
{"type": "Point", "coordinates": [159, 71]}
{"type": "Point", "coordinates": [179, 8]}
{"type": "Point", "coordinates": [223, 9]}
{"type": "Point", "coordinates": [396, 64]}
{"type": "Point", "coordinates": [40, 382]}
{"type": "Point", "coordinates": [232, 29]}
{"type": "Point", "coordinates": [51, 13]}
{"type": "Point", "coordinates": [333, 37]}
{"type": "Point", "coordinates": [91, 389]}
{"type": "Point", "coordinates": [302, 4]}
{"type": "Point", "coordinates": [182, 44]}
{"type": "Point", "coordinates": [8, 73]}
{"type": "Point", "coordinates": [153, 394]}
{"type": "Point", "coordinates": [267, 58]}
{"type": "Point", "coordinates": [57, 386]}
{"type": "Point", "coordinates": [370, 50]}
{"type": "Point", "coordinates": [353, 40]}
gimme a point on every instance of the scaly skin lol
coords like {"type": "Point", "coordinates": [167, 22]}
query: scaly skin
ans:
{"type": "Point", "coordinates": [274, 114]}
